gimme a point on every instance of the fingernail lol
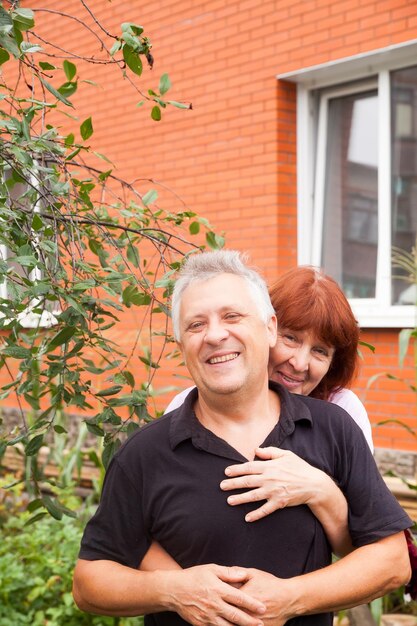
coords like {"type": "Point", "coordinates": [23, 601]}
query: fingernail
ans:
{"type": "Point", "coordinates": [230, 499]}
{"type": "Point", "coordinates": [222, 484]}
{"type": "Point", "coordinates": [227, 471]}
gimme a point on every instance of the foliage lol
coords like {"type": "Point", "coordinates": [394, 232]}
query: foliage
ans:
{"type": "Point", "coordinates": [406, 263]}
{"type": "Point", "coordinates": [35, 588]}
{"type": "Point", "coordinates": [78, 246]}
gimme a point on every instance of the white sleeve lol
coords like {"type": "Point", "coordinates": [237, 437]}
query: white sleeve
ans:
{"type": "Point", "coordinates": [349, 401]}
{"type": "Point", "coordinates": [178, 400]}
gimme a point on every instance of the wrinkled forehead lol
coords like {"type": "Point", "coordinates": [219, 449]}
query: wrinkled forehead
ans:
{"type": "Point", "coordinates": [219, 292]}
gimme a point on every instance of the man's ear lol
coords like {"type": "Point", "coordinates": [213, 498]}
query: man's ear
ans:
{"type": "Point", "coordinates": [272, 331]}
{"type": "Point", "coordinates": [179, 346]}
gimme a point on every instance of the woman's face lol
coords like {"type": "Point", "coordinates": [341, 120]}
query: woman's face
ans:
{"type": "Point", "coordinates": [299, 360]}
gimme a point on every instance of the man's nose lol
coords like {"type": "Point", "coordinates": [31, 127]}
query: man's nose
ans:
{"type": "Point", "coordinates": [300, 359]}
{"type": "Point", "coordinates": [215, 332]}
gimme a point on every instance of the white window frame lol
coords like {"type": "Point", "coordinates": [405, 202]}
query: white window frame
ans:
{"type": "Point", "coordinates": [28, 318]}
{"type": "Point", "coordinates": [340, 78]}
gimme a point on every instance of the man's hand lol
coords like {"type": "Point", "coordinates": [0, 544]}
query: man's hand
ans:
{"type": "Point", "coordinates": [206, 595]}
{"type": "Point", "coordinates": [273, 592]}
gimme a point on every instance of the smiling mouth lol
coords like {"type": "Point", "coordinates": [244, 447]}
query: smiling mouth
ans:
{"type": "Point", "coordinates": [289, 380]}
{"type": "Point", "coordinates": [223, 359]}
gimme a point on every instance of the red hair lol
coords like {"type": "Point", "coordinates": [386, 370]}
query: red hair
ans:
{"type": "Point", "coordinates": [304, 298]}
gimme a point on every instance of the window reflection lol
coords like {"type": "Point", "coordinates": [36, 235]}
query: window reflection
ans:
{"type": "Point", "coordinates": [404, 173]}
{"type": "Point", "coordinates": [350, 225]}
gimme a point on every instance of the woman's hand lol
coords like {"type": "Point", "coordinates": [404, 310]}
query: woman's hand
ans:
{"type": "Point", "coordinates": [283, 479]}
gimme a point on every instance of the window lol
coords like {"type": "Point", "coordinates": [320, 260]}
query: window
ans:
{"type": "Point", "coordinates": [22, 193]}
{"type": "Point", "coordinates": [357, 177]}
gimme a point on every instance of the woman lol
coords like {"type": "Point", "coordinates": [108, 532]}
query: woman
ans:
{"type": "Point", "coordinates": [316, 354]}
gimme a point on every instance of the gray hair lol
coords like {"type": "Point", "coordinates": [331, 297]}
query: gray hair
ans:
{"type": "Point", "coordinates": [209, 264]}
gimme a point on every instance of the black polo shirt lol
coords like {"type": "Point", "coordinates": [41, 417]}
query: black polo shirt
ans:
{"type": "Point", "coordinates": [164, 481]}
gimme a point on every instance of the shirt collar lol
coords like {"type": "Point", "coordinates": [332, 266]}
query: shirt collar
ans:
{"type": "Point", "coordinates": [185, 425]}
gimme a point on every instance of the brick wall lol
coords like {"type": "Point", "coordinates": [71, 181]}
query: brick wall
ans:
{"type": "Point", "coordinates": [233, 157]}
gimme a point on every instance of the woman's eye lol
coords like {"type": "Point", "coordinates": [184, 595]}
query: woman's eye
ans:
{"type": "Point", "coordinates": [290, 338]}
{"type": "Point", "coordinates": [321, 351]}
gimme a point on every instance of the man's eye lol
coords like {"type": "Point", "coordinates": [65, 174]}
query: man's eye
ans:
{"type": "Point", "coordinates": [195, 326]}
{"type": "Point", "coordinates": [233, 316]}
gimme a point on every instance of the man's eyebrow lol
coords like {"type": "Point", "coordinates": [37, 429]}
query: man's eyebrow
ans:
{"type": "Point", "coordinates": [238, 308]}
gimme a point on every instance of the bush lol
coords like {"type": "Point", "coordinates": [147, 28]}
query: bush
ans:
{"type": "Point", "coordinates": [36, 564]}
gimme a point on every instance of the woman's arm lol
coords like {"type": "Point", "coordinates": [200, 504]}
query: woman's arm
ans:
{"type": "Point", "coordinates": [284, 479]}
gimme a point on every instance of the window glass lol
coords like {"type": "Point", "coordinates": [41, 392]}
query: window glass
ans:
{"type": "Point", "coordinates": [404, 174]}
{"type": "Point", "coordinates": [350, 212]}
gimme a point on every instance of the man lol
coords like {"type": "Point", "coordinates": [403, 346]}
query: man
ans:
{"type": "Point", "coordinates": [163, 484]}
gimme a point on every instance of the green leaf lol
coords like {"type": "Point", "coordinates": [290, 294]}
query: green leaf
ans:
{"type": "Point", "coordinates": [69, 140]}
{"type": "Point", "coordinates": [86, 128]}
{"type": "Point", "coordinates": [132, 60]}
{"type": "Point", "coordinates": [84, 285]}
{"type": "Point", "coordinates": [164, 84]}
{"type": "Point", "coordinates": [9, 44]}
{"type": "Point", "coordinates": [33, 402]}
{"type": "Point", "coordinates": [46, 66]}
{"type": "Point", "coordinates": [63, 336]}
{"type": "Point", "coordinates": [136, 29]}
{"type": "Point", "coordinates": [6, 22]}
{"type": "Point", "coordinates": [194, 228]}
{"type": "Point", "coordinates": [129, 378]}
{"type": "Point", "coordinates": [67, 89]}
{"type": "Point", "coordinates": [132, 295]}
{"type": "Point", "coordinates": [214, 241]}
{"type": "Point", "coordinates": [37, 222]}
{"type": "Point", "coordinates": [403, 342]}
{"type": "Point", "coordinates": [110, 391]}
{"type": "Point", "coordinates": [104, 175]}
{"type": "Point", "coordinates": [59, 429]}
{"type": "Point", "coordinates": [3, 448]}
{"type": "Point", "coordinates": [147, 361]}
{"type": "Point", "coordinates": [108, 452]}
{"type": "Point", "coordinates": [132, 254]}
{"type": "Point", "coordinates": [53, 507]}
{"type": "Point", "coordinates": [34, 505]}
{"type": "Point", "coordinates": [23, 19]}
{"type": "Point", "coordinates": [34, 445]}
{"type": "Point", "coordinates": [150, 197]}
{"type": "Point", "coordinates": [70, 69]}
{"type": "Point", "coordinates": [16, 352]}
{"type": "Point", "coordinates": [179, 105]}
{"type": "Point", "coordinates": [132, 427]}
{"type": "Point", "coordinates": [55, 92]}
{"type": "Point", "coordinates": [156, 113]}
{"type": "Point", "coordinates": [115, 47]}
{"type": "Point", "coordinates": [103, 157]}
{"type": "Point", "coordinates": [35, 518]}
{"type": "Point", "coordinates": [73, 154]}
{"type": "Point", "coordinates": [29, 48]}
{"type": "Point", "coordinates": [95, 430]}
{"type": "Point", "coordinates": [367, 345]}
{"type": "Point", "coordinates": [4, 56]}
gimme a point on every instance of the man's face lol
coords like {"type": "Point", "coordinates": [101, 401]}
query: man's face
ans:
{"type": "Point", "coordinates": [224, 341]}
